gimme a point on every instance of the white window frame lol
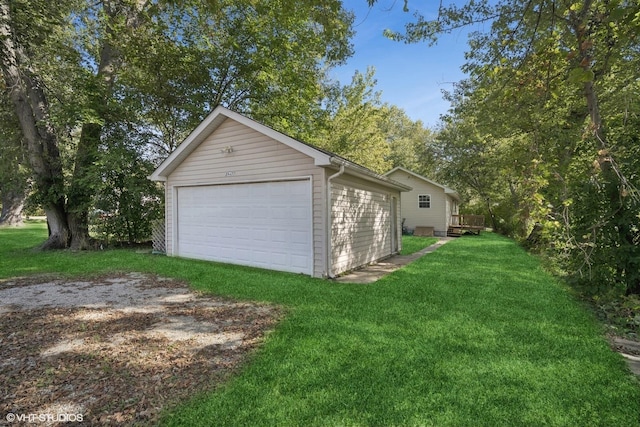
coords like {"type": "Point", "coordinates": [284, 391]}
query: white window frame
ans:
{"type": "Point", "coordinates": [426, 202]}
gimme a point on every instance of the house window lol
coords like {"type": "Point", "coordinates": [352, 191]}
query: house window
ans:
{"type": "Point", "coordinates": [424, 200]}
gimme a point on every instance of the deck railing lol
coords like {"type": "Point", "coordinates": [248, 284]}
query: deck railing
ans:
{"type": "Point", "coordinates": [472, 221]}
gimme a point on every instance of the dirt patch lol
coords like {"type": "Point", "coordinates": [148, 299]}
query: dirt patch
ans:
{"type": "Point", "coordinates": [117, 349]}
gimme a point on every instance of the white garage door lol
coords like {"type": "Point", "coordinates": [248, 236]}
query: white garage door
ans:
{"type": "Point", "coordinates": [266, 224]}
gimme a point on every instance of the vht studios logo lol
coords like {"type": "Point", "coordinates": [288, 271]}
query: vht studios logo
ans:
{"type": "Point", "coordinates": [41, 418]}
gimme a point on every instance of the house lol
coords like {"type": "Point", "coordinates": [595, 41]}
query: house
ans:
{"type": "Point", "coordinates": [429, 206]}
{"type": "Point", "coordinates": [242, 193]}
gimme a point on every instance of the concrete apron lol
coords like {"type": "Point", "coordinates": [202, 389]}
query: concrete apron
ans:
{"type": "Point", "coordinates": [630, 350]}
{"type": "Point", "coordinates": [373, 272]}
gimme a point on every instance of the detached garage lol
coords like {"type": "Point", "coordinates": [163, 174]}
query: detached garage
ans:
{"type": "Point", "coordinates": [239, 192]}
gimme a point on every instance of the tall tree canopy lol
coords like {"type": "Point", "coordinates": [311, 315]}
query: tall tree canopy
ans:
{"type": "Point", "coordinates": [79, 73]}
{"type": "Point", "coordinates": [545, 130]}
{"type": "Point", "coordinates": [352, 126]}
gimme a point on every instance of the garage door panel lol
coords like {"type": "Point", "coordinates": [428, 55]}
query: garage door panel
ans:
{"type": "Point", "coordinates": [244, 233]}
{"type": "Point", "coordinates": [300, 238]}
{"type": "Point", "coordinates": [243, 254]}
{"type": "Point", "coordinates": [297, 213]}
{"type": "Point", "coordinates": [260, 235]}
{"type": "Point", "coordinates": [280, 213]}
{"type": "Point", "coordinates": [260, 224]}
{"type": "Point", "coordinates": [279, 236]}
{"type": "Point", "coordinates": [301, 262]}
{"type": "Point", "coordinates": [258, 212]}
{"type": "Point", "coordinates": [280, 259]}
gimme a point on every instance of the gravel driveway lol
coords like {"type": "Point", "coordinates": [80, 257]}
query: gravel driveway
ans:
{"type": "Point", "coordinates": [116, 349]}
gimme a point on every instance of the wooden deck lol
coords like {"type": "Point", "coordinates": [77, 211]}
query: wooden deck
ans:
{"type": "Point", "coordinates": [463, 223]}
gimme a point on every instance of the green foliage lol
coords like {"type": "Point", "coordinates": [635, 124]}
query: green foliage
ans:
{"type": "Point", "coordinates": [604, 253]}
{"type": "Point", "coordinates": [352, 128]}
{"type": "Point", "coordinates": [265, 59]}
{"type": "Point", "coordinates": [353, 122]}
{"type": "Point", "coordinates": [620, 314]}
{"type": "Point", "coordinates": [545, 130]}
{"type": "Point", "coordinates": [412, 145]}
{"type": "Point", "coordinates": [126, 202]}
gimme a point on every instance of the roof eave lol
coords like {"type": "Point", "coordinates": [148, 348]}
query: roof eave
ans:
{"type": "Point", "coordinates": [446, 189]}
{"type": "Point", "coordinates": [369, 175]}
{"type": "Point", "coordinates": [453, 194]}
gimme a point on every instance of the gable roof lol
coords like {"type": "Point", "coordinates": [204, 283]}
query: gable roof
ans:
{"type": "Point", "coordinates": [220, 114]}
{"type": "Point", "coordinates": [446, 189]}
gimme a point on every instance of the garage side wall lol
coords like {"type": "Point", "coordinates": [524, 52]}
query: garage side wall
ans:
{"type": "Point", "coordinates": [235, 153]}
{"type": "Point", "coordinates": [361, 223]}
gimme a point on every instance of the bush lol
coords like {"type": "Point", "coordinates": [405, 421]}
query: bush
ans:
{"type": "Point", "coordinates": [621, 314]}
{"type": "Point", "coordinates": [126, 202]}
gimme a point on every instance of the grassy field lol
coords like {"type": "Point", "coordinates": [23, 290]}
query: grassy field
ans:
{"type": "Point", "coordinates": [412, 244]}
{"type": "Point", "coordinates": [474, 334]}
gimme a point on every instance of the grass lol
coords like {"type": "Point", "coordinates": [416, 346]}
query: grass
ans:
{"type": "Point", "coordinates": [412, 244]}
{"type": "Point", "coordinates": [475, 333]}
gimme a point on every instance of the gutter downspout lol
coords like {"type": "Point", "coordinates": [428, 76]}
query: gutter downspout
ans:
{"type": "Point", "coordinates": [330, 274]}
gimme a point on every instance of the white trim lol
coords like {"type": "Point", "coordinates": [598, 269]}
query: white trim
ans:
{"type": "Point", "coordinates": [311, 227]}
{"type": "Point", "coordinates": [396, 246]}
{"type": "Point", "coordinates": [174, 222]}
{"type": "Point", "coordinates": [248, 181]}
{"type": "Point", "coordinates": [430, 201]}
{"type": "Point", "coordinates": [369, 175]}
{"type": "Point", "coordinates": [329, 198]}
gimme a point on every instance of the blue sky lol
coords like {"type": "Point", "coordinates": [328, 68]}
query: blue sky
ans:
{"type": "Point", "coordinates": [410, 76]}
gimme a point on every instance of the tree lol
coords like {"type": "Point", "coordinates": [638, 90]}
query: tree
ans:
{"type": "Point", "coordinates": [352, 127]}
{"type": "Point", "coordinates": [554, 85]}
{"type": "Point", "coordinates": [412, 145]}
{"type": "Point", "coordinates": [126, 202]}
{"type": "Point", "coordinates": [74, 67]}
{"type": "Point", "coordinates": [264, 59]}
{"type": "Point", "coordinates": [26, 92]}
{"type": "Point", "coordinates": [13, 171]}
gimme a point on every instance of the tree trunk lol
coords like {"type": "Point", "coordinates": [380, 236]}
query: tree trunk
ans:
{"type": "Point", "coordinates": [82, 189]}
{"type": "Point", "coordinates": [12, 204]}
{"type": "Point", "coordinates": [59, 233]}
{"type": "Point", "coordinates": [492, 216]}
{"type": "Point", "coordinates": [32, 110]}
{"type": "Point", "coordinates": [616, 185]}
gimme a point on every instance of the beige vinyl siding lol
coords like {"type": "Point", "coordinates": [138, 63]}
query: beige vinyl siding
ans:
{"type": "Point", "coordinates": [255, 157]}
{"type": "Point", "coordinates": [360, 223]}
{"type": "Point", "coordinates": [435, 216]}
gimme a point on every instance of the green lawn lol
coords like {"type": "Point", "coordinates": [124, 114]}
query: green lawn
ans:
{"type": "Point", "coordinates": [412, 244]}
{"type": "Point", "coordinates": [474, 334]}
